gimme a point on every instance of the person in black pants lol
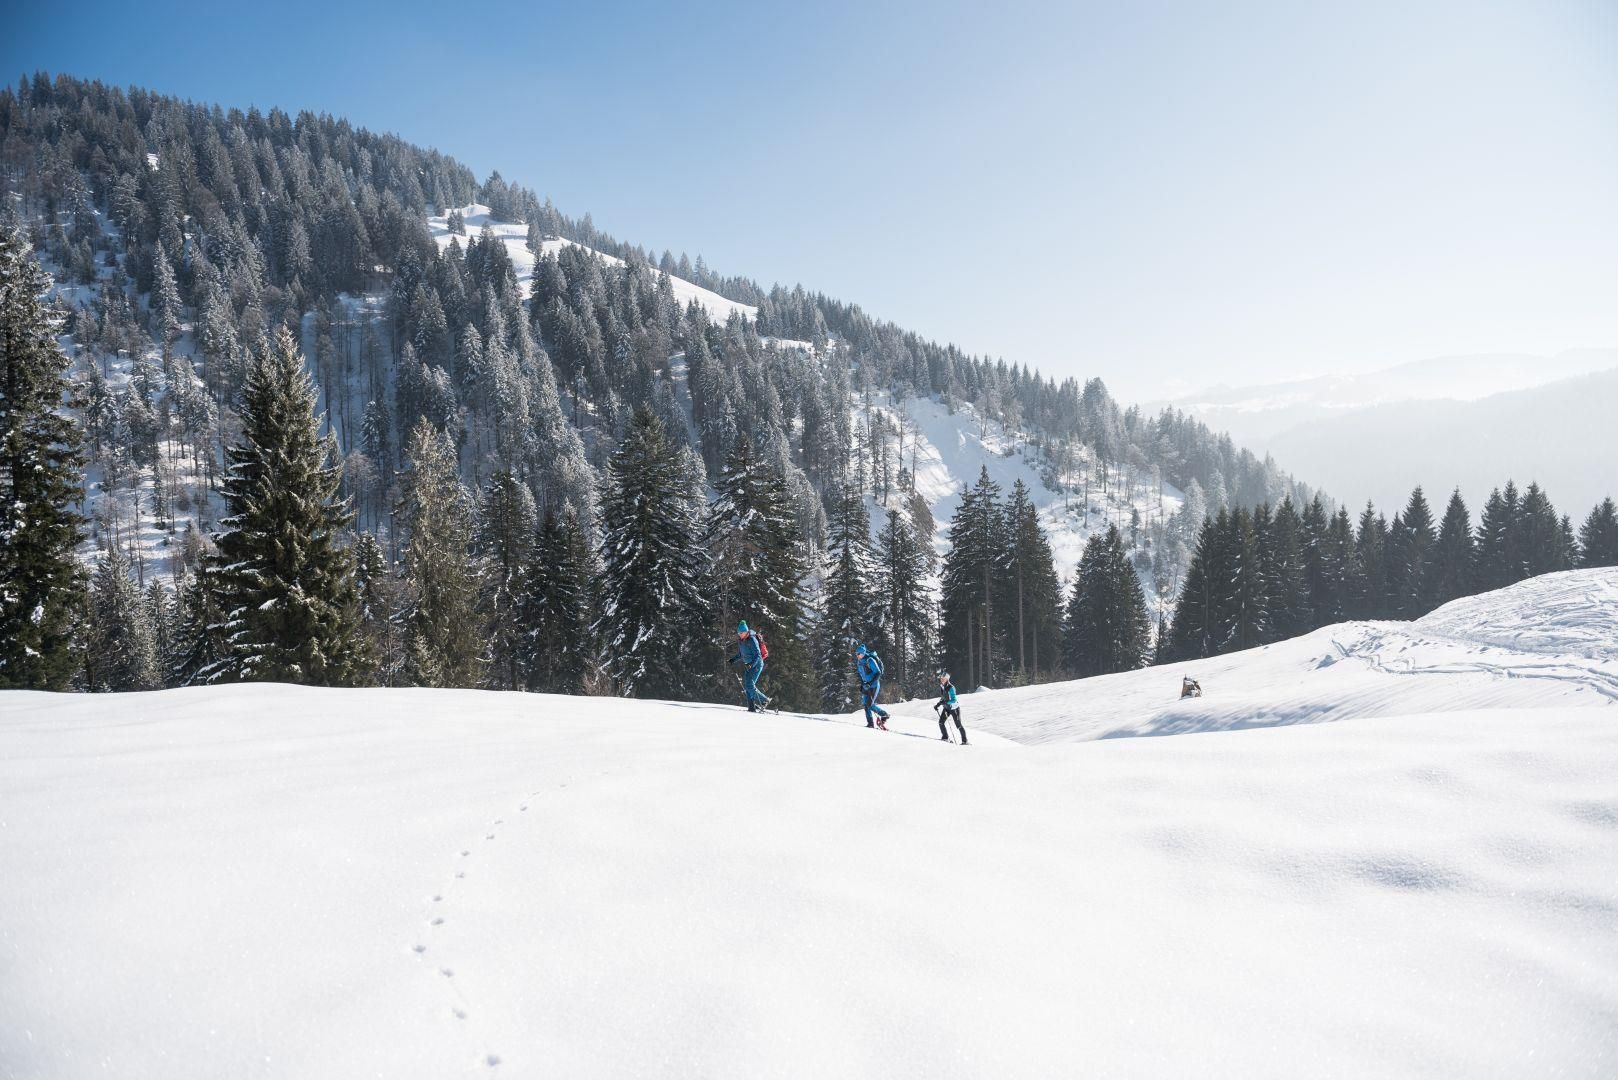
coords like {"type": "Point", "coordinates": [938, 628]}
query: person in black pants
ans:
{"type": "Point", "coordinates": [948, 705]}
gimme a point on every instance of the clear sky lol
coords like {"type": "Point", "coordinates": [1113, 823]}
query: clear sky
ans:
{"type": "Point", "coordinates": [1165, 195]}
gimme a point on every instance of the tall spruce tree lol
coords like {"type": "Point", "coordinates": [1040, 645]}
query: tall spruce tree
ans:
{"type": "Point", "coordinates": [201, 642]}
{"type": "Point", "coordinates": [41, 583]}
{"type": "Point", "coordinates": [1449, 571]}
{"type": "Point", "coordinates": [1194, 633]}
{"type": "Point", "coordinates": [1286, 572]}
{"type": "Point", "coordinates": [973, 581]}
{"type": "Point", "coordinates": [1108, 627]}
{"type": "Point", "coordinates": [654, 579]}
{"type": "Point", "coordinates": [1033, 602]}
{"type": "Point", "coordinates": [557, 655]}
{"type": "Point", "coordinates": [1416, 537]}
{"type": "Point", "coordinates": [122, 651]}
{"type": "Point", "coordinates": [507, 517]}
{"type": "Point", "coordinates": [286, 587]}
{"type": "Point", "coordinates": [759, 566]}
{"type": "Point", "coordinates": [904, 565]}
{"type": "Point", "coordinates": [850, 613]}
{"type": "Point", "coordinates": [1499, 559]}
{"type": "Point", "coordinates": [1598, 536]}
{"type": "Point", "coordinates": [445, 643]}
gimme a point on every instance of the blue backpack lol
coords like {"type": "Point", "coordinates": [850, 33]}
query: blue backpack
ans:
{"type": "Point", "coordinates": [875, 672]}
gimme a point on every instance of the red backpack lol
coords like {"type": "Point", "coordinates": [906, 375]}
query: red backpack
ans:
{"type": "Point", "coordinates": [763, 649]}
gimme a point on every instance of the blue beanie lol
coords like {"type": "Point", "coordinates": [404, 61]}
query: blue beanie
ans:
{"type": "Point", "coordinates": [859, 650]}
{"type": "Point", "coordinates": [741, 627]}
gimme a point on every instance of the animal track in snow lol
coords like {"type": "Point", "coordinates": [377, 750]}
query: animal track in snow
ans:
{"type": "Point", "coordinates": [418, 949]}
{"type": "Point", "coordinates": [438, 921]}
{"type": "Point", "coordinates": [447, 973]}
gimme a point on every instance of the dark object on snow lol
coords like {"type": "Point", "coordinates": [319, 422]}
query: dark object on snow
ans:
{"type": "Point", "coordinates": [1190, 687]}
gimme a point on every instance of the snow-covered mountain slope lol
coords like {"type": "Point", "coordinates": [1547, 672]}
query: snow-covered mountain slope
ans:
{"type": "Point", "coordinates": [1550, 641]}
{"type": "Point", "coordinates": [946, 449]}
{"type": "Point", "coordinates": [275, 881]}
{"type": "Point", "coordinates": [515, 237]}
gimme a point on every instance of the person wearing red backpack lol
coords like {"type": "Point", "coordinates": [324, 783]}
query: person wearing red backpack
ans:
{"type": "Point", "coordinates": [752, 652]}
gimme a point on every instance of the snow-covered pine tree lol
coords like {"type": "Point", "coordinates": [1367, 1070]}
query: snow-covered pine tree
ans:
{"type": "Point", "coordinates": [200, 638]}
{"type": "Point", "coordinates": [904, 567]}
{"type": "Point", "coordinates": [557, 654]}
{"type": "Point", "coordinates": [285, 584]}
{"type": "Point", "coordinates": [504, 539]}
{"type": "Point", "coordinates": [381, 610]}
{"type": "Point", "coordinates": [1032, 610]}
{"type": "Point", "coordinates": [1370, 585]}
{"type": "Point", "coordinates": [654, 578]}
{"type": "Point", "coordinates": [751, 535]}
{"type": "Point", "coordinates": [850, 612]}
{"type": "Point", "coordinates": [1598, 536]}
{"type": "Point", "coordinates": [161, 613]}
{"type": "Point", "coordinates": [973, 582]}
{"type": "Point", "coordinates": [1194, 632]}
{"type": "Point", "coordinates": [166, 308]}
{"type": "Point", "coordinates": [1448, 572]}
{"type": "Point", "coordinates": [122, 651]}
{"type": "Point", "coordinates": [41, 583]}
{"type": "Point", "coordinates": [1108, 628]}
{"type": "Point", "coordinates": [445, 642]}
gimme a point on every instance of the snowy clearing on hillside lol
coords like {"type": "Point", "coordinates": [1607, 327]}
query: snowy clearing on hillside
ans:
{"type": "Point", "coordinates": [514, 235]}
{"type": "Point", "coordinates": [947, 448]}
{"type": "Point", "coordinates": [279, 881]}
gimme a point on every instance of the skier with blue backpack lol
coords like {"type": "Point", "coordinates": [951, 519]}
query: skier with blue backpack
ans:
{"type": "Point", "coordinates": [868, 666]}
{"type": "Point", "coordinates": [752, 652]}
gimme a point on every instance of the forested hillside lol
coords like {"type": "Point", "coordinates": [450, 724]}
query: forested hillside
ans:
{"type": "Point", "coordinates": [554, 460]}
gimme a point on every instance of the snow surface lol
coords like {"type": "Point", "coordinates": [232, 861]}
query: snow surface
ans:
{"type": "Point", "coordinates": [515, 236]}
{"type": "Point", "coordinates": [278, 881]}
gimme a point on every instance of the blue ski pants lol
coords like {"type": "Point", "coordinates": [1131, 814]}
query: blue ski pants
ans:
{"type": "Point", "coordinates": [868, 694]}
{"type": "Point", "coordinates": [750, 676]}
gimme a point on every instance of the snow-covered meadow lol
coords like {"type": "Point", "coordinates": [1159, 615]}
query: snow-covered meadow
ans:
{"type": "Point", "coordinates": [276, 881]}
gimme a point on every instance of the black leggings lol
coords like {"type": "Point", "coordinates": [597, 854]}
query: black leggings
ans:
{"type": "Point", "coordinates": [944, 715]}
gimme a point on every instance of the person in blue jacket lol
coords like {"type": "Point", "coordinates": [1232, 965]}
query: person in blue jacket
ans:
{"type": "Point", "coordinates": [868, 666]}
{"type": "Point", "coordinates": [948, 705]}
{"type": "Point", "coordinates": [752, 659]}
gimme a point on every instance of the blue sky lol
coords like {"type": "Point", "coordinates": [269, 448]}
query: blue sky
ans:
{"type": "Point", "coordinates": [1165, 195]}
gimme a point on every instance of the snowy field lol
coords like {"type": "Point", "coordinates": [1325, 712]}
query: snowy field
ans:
{"type": "Point", "coordinates": [282, 882]}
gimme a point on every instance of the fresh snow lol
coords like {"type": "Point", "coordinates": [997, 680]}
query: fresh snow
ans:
{"type": "Point", "coordinates": [278, 881]}
{"type": "Point", "coordinates": [514, 235]}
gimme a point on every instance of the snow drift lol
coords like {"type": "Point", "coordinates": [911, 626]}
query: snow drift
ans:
{"type": "Point", "coordinates": [277, 881]}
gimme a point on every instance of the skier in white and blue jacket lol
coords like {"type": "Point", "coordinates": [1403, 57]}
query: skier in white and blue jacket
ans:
{"type": "Point", "coordinates": [868, 666]}
{"type": "Point", "coordinates": [948, 705]}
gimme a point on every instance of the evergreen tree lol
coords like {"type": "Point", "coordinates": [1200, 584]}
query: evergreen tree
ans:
{"type": "Point", "coordinates": [904, 564]}
{"type": "Point", "coordinates": [161, 613]}
{"type": "Point", "coordinates": [1449, 572]}
{"type": "Point", "coordinates": [557, 654]}
{"type": "Point", "coordinates": [974, 573]}
{"type": "Point", "coordinates": [505, 538]}
{"type": "Point", "coordinates": [1408, 591]}
{"type": "Point", "coordinates": [1033, 603]}
{"type": "Point", "coordinates": [759, 566]}
{"type": "Point", "coordinates": [1541, 543]}
{"type": "Point", "coordinates": [287, 589]}
{"type": "Point", "coordinates": [1108, 628]}
{"type": "Point", "coordinates": [122, 652]}
{"type": "Point", "coordinates": [1286, 571]}
{"type": "Point", "coordinates": [1245, 614]}
{"type": "Point", "coordinates": [200, 642]}
{"type": "Point", "coordinates": [1194, 633]}
{"type": "Point", "coordinates": [1598, 537]}
{"type": "Point", "coordinates": [381, 605]}
{"type": "Point", "coordinates": [849, 612]}
{"type": "Point", "coordinates": [1369, 594]}
{"type": "Point", "coordinates": [1499, 561]}
{"type": "Point", "coordinates": [444, 634]}
{"type": "Point", "coordinates": [41, 584]}
{"type": "Point", "coordinates": [654, 572]}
